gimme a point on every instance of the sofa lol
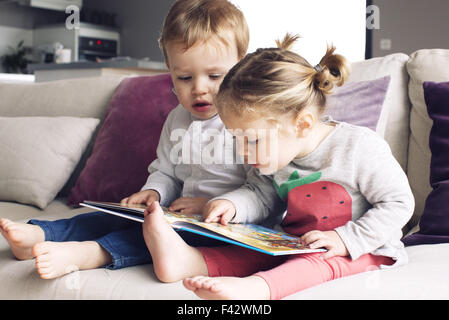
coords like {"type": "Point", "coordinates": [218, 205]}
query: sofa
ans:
{"type": "Point", "coordinates": [403, 122]}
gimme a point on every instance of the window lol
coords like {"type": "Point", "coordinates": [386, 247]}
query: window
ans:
{"type": "Point", "coordinates": [318, 22]}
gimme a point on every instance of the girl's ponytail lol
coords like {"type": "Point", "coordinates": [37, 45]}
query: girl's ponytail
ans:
{"type": "Point", "coordinates": [332, 69]}
{"type": "Point", "coordinates": [287, 42]}
{"type": "Point", "coordinates": [279, 81]}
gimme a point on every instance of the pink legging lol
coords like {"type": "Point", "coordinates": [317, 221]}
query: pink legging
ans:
{"type": "Point", "coordinates": [285, 275]}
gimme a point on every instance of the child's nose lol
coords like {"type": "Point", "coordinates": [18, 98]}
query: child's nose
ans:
{"type": "Point", "coordinates": [199, 87]}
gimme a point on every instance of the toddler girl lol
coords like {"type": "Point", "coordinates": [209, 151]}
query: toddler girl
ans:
{"type": "Point", "coordinates": [340, 185]}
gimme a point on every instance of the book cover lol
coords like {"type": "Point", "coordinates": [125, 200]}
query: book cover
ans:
{"type": "Point", "coordinates": [252, 236]}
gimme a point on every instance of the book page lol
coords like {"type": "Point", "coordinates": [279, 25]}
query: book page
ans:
{"type": "Point", "coordinates": [257, 236]}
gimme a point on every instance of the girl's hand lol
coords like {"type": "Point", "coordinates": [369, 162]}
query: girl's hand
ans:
{"type": "Point", "coordinates": [221, 211]}
{"type": "Point", "coordinates": [188, 205]}
{"type": "Point", "coordinates": [146, 197]}
{"type": "Point", "coordinates": [325, 239]}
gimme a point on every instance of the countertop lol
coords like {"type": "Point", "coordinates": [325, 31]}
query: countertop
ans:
{"type": "Point", "coordinates": [131, 63]}
{"type": "Point", "coordinates": [16, 78]}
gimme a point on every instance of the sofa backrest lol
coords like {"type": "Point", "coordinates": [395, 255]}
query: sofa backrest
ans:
{"type": "Point", "coordinates": [393, 123]}
{"type": "Point", "coordinates": [424, 65]}
{"type": "Point", "coordinates": [84, 98]}
{"type": "Point", "coordinates": [89, 97]}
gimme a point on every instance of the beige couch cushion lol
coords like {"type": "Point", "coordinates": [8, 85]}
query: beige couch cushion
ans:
{"type": "Point", "coordinates": [425, 277]}
{"type": "Point", "coordinates": [19, 279]}
{"type": "Point", "coordinates": [86, 98]}
{"type": "Point", "coordinates": [56, 209]}
{"type": "Point", "coordinates": [424, 65]}
{"type": "Point", "coordinates": [39, 155]}
{"type": "Point", "coordinates": [394, 118]}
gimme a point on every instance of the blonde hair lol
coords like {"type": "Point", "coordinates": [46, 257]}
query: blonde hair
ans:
{"type": "Point", "coordinates": [193, 21]}
{"type": "Point", "coordinates": [277, 81]}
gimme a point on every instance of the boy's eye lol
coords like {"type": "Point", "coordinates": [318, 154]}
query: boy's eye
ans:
{"type": "Point", "coordinates": [186, 78]}
{"type": "Point", "coordinates": [215, 76]}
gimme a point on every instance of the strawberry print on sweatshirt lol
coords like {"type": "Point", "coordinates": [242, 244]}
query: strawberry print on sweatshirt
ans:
{"type": "Point", "coordinates": [313, 204]}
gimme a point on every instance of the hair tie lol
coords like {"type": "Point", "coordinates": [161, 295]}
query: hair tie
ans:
{"type": "Point", "coordinates": [318, 68]}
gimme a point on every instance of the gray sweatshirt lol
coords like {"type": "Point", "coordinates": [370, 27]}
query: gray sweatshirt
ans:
{"type": "Point", "coordinates": [195, 158]}
{"type": "Point", "coordinates": [350, 183]}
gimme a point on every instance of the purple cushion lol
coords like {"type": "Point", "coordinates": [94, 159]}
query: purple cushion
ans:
{"type": "Point", "coordinates": [434, 222]}
{"type": "Point", "coordinates": [359, 103]}
{"type": "Point", "coordinates": [127, 141]}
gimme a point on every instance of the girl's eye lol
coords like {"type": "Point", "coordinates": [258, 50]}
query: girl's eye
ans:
{"type": "Point", "coordinates": [215, 76]}
{"type": "Point", "coordinates": [186, 78]}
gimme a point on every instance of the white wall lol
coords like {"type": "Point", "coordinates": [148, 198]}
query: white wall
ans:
{"type": "Point", "coordinates": [318, 22]}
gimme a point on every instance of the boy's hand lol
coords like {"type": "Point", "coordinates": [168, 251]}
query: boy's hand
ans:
{"type": "Point", "coordinates": [188, 205]}
{"type": "Point", "coordinates": [219, 211]}
{"type": "Point", "coordinates": [146, 197]}
{"type": "Point", "coordinates": [325, 239]}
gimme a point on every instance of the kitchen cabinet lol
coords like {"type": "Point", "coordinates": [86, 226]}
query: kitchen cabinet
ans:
{"type": "Point", "coordinates": [133, 67]}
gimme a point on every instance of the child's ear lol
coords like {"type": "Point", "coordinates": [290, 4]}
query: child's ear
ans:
{"type": "Point", "coordinates": [167, 64]}
{"type": "Point", "coordinates": [304, 123]}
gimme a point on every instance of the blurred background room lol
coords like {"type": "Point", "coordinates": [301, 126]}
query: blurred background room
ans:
{"type": "Point", "coordinates": [44, 40]}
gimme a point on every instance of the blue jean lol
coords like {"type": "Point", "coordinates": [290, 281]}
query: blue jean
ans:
{"type": "Point", "coordinates": [121, 238]}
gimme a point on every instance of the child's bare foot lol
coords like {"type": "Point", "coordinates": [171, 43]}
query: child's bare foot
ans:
{"type": "Point", "coordinates": [21, 237]}
{"type": "Point", "coordinates": [173, 259]}
{"type": "Point", "coordinates": [228, 288]}
{"type": "Point", "coordinates": [55, 259]}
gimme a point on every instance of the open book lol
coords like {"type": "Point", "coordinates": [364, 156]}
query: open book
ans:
{"type": "Point", "coordinates": [250, 236]}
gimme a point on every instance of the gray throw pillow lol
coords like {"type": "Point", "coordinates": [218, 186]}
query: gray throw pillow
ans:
{"type": "Point", "coordinates": [38, 154]}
